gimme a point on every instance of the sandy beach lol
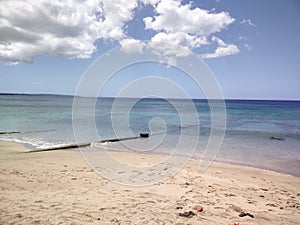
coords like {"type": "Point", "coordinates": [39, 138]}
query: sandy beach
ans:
{"type": "Point", "coordinates": [59, 187]}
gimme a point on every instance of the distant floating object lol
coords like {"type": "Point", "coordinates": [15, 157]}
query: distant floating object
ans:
{"type": "Point", "coordinates": [144, 135]}
{"type": "Point", "coordinates": [279, 138]}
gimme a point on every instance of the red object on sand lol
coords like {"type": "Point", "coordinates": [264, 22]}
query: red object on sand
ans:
{"type": "Point", "coordinates": [199, 208]}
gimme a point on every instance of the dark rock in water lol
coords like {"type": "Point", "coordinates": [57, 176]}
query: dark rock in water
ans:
{"type": "Point", "coordinates": [144, 135]}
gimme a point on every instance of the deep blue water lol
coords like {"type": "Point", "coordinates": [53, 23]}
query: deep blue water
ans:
{"type": "Point", "coordinates": [46, 120]}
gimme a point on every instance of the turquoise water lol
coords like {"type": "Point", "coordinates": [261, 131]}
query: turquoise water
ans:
{"type": "Point", "coordinates": [46, 120]}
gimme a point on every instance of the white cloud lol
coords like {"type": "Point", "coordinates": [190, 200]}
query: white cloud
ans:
{"type": "Point", "coordinates": [151, 2]}
{"type": "Point", "coordinates": [168, 46]}
{"type": "Point", "coordinates": [172, 16]}
{"type": "Point", "coordinates": [130, 45]}
{"type": "Point", "coordinates": [180, 38]}
{"type": "Point", "coordinates": [188, 27]}
{"type": "Point", "coordinates": [223, 49]}
{"type": "Point", "coordinates": [116, 13]}
{"type": "Point", "coordinates": [220, 42]}
{"type": "Point", "coordinates": [64, 28]}
{"type": "Point", "coordinates": [167, 49]}
{"type": "Point", "coordinates": [71, 28]}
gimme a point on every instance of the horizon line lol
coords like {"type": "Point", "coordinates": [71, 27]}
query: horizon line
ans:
{"type": "Point", "coordinates": [72, 95]}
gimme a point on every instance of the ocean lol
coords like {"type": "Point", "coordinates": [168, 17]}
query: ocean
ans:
{"type": "Point", "coordinates": [44, 121]}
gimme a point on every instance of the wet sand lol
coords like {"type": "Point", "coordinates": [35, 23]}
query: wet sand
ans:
{"type": "Point", "coordinates": [59, 187]}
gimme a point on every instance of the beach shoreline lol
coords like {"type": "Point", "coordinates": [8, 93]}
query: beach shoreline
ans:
{"type": "Point", "coordinates": [60, 187]}
{"type": "Point", "coordinates": [284, 171]}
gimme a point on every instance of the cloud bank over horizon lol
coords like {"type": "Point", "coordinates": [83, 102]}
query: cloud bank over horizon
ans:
{"type": "Point", "coordinates": [72, 28]}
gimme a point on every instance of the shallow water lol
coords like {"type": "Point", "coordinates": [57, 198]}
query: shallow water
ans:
{"type": "Point", "coordinates": [46, 120]}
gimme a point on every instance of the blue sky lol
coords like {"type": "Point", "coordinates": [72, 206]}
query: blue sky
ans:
{"type": "Point", "coordinates": [252, 46]}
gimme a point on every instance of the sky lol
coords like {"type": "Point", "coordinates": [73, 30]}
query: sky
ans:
{"type": "Point", "coordinates": [251, 46]}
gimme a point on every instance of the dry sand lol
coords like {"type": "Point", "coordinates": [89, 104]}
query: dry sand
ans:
{"type": "Point", "coordinates": [58, 187]}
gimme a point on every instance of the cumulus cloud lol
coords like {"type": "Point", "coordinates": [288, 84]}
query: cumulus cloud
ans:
{"type": "Point", "coordinates": [223, 49]}
{"type": "Point", "coordinates": [72, 28]}
{"type": "Point", "coordinates": [172, 16]}
{"type": "Point", "coordinates": [180, 38]}
{"type": "Point", "coordinates": [115, 13]}
{"type": "Point", "coordinates": [130, 45]}
{"type": "Point", "coordinates": [168, 52]}
{"type": "Point", "coordinates": [188, 27]}
{"type": "Point", "coordinates": [151, 2]}
{"type": "Point", "coordinates": [172, 45]}
{"type": "Point", "coordinates": [64, 28]}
